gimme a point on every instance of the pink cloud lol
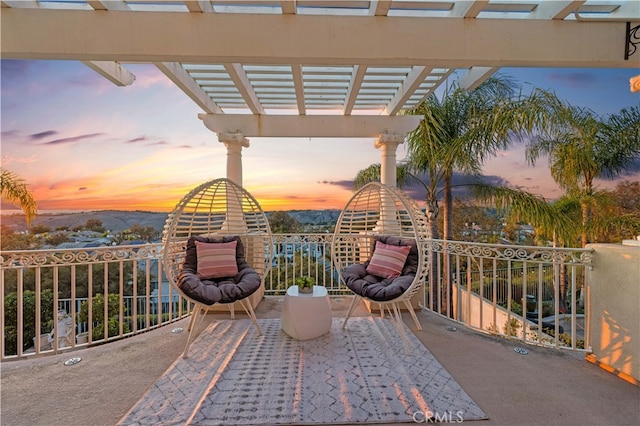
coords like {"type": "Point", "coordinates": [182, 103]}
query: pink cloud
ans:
{"type": "Point", "coordinates": [72, 139]}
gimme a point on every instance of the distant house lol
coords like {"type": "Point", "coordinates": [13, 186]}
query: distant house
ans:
{"type": "Point", "coordinates": [85, 236]}
{"type": "Point", "coordinates": [103, 242]}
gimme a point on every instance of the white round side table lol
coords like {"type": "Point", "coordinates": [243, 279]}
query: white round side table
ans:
{"type": "Point", "coordinates": [306, 315]}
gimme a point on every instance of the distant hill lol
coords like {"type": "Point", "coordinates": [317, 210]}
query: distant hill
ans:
{"type": "Point", "coordinates": [118, 221]}
{"type": "Point", "coordinates": [113, 220]}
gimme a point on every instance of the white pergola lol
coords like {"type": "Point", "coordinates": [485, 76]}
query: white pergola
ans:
{"type": "Point", "coordinates": [320, 68]}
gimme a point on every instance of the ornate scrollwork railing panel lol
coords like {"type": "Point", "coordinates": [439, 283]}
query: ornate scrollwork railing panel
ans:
{"type": "Point", "coordinates": [509, 290]}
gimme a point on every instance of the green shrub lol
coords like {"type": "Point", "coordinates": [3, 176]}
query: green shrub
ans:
{"type": "Point", "coordinates": [97, 316]}
{"type": "Point", "coordinates": [511, 328]}
{"type": "Point", "coordinates": [565, 339]}
{"type": "Point", "coordinates": [47, 314]}
{"type": "Point", "coordinates": [548, 309]}
{"type": "Point", "coordinates": [114, 329]}
{"type": "Point", "coordinates": [516, 308]}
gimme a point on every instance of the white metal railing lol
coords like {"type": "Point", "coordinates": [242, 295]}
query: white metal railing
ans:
{"type": "Point", "coordinates": [46, 293]}
{"type": "Point", "coordinates": [532, 294]}
{"type": "Point", "coordinates": [480, 285]}
{"type": "Point", "coordinates": [297, 255]}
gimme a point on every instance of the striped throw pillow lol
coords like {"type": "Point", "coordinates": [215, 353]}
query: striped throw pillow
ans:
{"type": "Point", "coordinates": [216, 260]}
{"type": "Point", "coordinates": [388, 260]}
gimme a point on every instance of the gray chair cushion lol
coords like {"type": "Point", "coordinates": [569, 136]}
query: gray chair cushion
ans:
{"type": "Point", "coordinates": [383, 289]}
{"type": "Point", "coordinates": [217, 290]}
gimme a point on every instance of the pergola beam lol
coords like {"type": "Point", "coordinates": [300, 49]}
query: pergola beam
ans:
{"type": "Point", "coordinates": [476, 76]}
{"type": "Point", "coordinates": [199, 6]}
{"type": "Point", "coordinates": [379, 7]}
{"type": "Point", "coordinates": [309, 126]}
{"type": "Point", "coordinates": [240, 79]}
{"type": "Point", "coordinates": [298, 84]}
{"type": "Point", "coordinates": [354, 87]}
{"type": "Point", "coordinates": [188, 85]}
{"type": "Point", "coordinates": [108, 5]}
{"type": "Point", "coordinates": [390, 41]}
{"type": "Point", "coordinates": [112, 71]}
{"type": "Point", "coordinates": [413, 81]}
{"type": "Point", "coordinates": [288, 7]}
{"type": "Point", "coordinates": [556, 9]}
{"type": "Point", "coordinates": [469, 9]}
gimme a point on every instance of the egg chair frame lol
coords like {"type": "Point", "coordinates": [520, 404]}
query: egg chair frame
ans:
{"type": "Point", "coordinates": [378, 211]}
{"type": "Point", "coordinates": [217, 208]}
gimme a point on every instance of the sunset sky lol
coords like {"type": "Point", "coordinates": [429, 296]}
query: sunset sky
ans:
{"type": "Point", "coordinates": [83, 143]}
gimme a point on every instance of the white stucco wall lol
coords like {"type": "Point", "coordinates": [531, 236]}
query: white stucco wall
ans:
{"type": "Point", "coordinates": [613, 288]}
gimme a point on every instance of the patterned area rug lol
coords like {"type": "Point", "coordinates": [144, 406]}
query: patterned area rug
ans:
{"type": "Point", "coordinates": [357, 375]}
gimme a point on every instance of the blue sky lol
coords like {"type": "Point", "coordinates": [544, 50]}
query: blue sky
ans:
{"type": "Point", "coordinates": [83, 143]}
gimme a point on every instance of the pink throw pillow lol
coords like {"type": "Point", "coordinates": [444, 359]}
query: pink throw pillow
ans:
{"type": "Point", "coordinates": [216, 260]}
{"type": "Point", "coordinates": [388, 260]}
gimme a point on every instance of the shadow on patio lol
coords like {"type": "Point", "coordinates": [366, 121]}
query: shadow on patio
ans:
{"type": "Point", "coordinates": [545, 386]}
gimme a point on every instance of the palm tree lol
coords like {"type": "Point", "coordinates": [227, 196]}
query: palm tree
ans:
{"type": "Point", "coordinates": [14, 190]}
{"type": "Point", "coordinates": [582, 147]}
{"type": "Point", "coordinates": [461, 130]}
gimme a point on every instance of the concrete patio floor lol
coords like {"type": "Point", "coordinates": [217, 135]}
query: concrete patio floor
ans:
{"type": "Point", "coordinates": [545, 386]}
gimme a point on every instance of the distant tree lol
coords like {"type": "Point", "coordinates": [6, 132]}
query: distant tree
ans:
{"type": "Point", "coordinates": [10, 240]}
{"type": "Point", "coordinates": [15, 190]}
{"type": "Point", "coordinates": [137, 232]}
{"type": "Point", "coordinates": [474, 223]}
{"type": "Point", "coordinates": [56, 238]}
{"type": "Point", "coordinates": [146, 233]}
{"type": "Point", "coordinates": [39, 229]}
{"type": "Point", "coordinates": [282, 223]}
{"type": "Point", "coordinates": [94, 225]}
{"type": "Point", "coordinates": [616, 215]}
{"type": "Point", "coordinates": [627, 196]}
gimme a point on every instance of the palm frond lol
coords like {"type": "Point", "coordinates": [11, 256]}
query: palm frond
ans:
{"type": "Point", "coordinates": [526, 207]}
{"type": "Point", "coordinates": [15, 190]}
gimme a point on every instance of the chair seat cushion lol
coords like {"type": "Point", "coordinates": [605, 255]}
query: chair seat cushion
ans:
{"type": "Point", "coordinates": [373, 287]}
{"type": "Point", "coordinates": [219, 290]}
{"type": "Point", "coordinates": [381, 289]}
{"type": "Point", "coordinates": [222, 289]}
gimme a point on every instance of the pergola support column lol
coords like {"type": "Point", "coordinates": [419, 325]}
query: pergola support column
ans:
{"type": "Point", "coordinates": [234, 142]}
{"type": "Point", "coordinates": [388, 143]}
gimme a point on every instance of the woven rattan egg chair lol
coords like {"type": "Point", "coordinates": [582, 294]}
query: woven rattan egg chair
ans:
{"type": "Point", "coordinates": [378, 250]}
{"type": "Point", "coordinates": [221, 223]}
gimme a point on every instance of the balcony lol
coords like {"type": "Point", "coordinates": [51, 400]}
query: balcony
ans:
{"type": "Point", "coordinates": [472, 322]}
